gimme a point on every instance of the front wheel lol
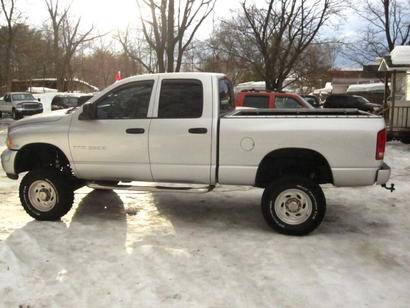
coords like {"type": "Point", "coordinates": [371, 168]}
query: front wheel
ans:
{"type": "Point", "coordinates": [46, 194]}
{"type": "Point", "coordinates": [293, 205]}
{"type": "Point", "coordinates": [15, 115]}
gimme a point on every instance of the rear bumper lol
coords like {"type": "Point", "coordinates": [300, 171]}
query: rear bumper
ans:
{"type": "Point", "coordinates": [7, 161]}
{"type": "Point", "coordinates": [383, 174]}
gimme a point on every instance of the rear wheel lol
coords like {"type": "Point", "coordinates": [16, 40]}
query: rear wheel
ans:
{"type": "Point", "coordinates": [405, 139]}
{"type": "Point", "coordinates": [46, 194]}
{"type": "Point", "coordinates": [293, 205]}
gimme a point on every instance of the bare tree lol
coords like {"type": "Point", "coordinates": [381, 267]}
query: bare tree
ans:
{"type": "Point", "coordinates": [72, 39]}
{"type": "Point", "coordinates": [388, 26]}
{"type": "Point", "coordinates": [274, 38]}
{"type": "Point", "coordinates": [57, 17]}
{"type": "Point", "coordinates": [67, 38]}
{"type": "Point", "coordinates": [169, 30]}
{"type": "Point", "coordinates": [11, 15]}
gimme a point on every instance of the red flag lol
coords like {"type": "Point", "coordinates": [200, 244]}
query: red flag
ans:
{"type": "Point", "coordinates": [118, 76]}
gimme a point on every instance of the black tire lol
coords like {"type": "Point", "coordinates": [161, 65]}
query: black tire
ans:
{"type": "Point", "coordinates": [15, 115]}
{"type": "Point", "coordinates": [64, 193]}
{"type": "Point", "coordinates": [310, 192]}
{"type": "Point", "coordinates": [405, 140]}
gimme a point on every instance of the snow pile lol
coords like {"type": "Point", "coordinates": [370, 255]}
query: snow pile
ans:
{"type": "Point", "coordinates": [251, 85]}
{"type": "Point", "coordinates": [400, 55]}
{"type": "Point", "coordinates": [371, 87]}
{"type": "Point", "coordinates": [326, 90]}
{"type": "Point", "coordinates": [34, 90]}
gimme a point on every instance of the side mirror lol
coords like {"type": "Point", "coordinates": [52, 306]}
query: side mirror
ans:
{"type": "Point", "coordinates": [39, 99]}
{"type": "Point", "coordinates": [88, 112]}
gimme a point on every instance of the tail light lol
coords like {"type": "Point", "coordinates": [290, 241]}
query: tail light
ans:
{"type": "Point", "coordinates": [381, 144]}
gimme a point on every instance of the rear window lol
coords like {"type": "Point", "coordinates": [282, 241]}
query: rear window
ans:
{"type": "Point", "coordinates": [180, 98]}
{"type": "Point", "coordinates": [256, 101]}
{"type": "Point", "coordinates": [283, 102]}
{"type": "Point", "coordinates": [226, 96]}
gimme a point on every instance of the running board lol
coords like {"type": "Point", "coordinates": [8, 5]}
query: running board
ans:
{"type": "Point", "coordinates": [157, 188]}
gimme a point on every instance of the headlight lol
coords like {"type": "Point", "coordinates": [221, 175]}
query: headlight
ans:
{"type": "Point", "coordinates": [40, 105]}
{"type": "Point", "coordinates": [20, 105]}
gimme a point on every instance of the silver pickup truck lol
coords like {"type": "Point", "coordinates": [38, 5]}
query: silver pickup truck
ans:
{"type": "Point", "coordinates": [20, 104]}
{"type": "Point", "coordinates": [183, 128]}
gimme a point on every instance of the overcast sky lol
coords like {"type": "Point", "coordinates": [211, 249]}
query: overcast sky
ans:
{"type": "Point", "coordinates": [111, 16]}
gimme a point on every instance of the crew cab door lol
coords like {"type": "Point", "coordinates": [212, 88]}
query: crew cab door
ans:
{"type": "Point", "coordinates": [180, 135]}
{"type": "Point", "coordinates": [114, 144]}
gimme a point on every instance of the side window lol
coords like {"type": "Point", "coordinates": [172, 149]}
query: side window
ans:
{"type": "Point", "coordinates": [226, 96]}
{"type": "Point", "coordinates": [286, 103]}
{"type": "Point", "coordinates": [180, 98]}
{"type": "Point", "coordinates": [259, 101]}
{"type": "Point", "coordinates": [129, 102]}
{"type": "Point", "coordinates": [7, 98]}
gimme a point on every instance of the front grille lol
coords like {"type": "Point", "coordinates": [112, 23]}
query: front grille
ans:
{"type": "Point", "coordinates": [31, 105]}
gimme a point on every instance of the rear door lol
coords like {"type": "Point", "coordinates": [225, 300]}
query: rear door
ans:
{"type": "Point", "coordinates": [180, 135]}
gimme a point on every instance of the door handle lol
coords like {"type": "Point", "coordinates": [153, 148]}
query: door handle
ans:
{"type": "Point", "coordinates": [198, 130]}
{"type": "Point", "coordinates": [135, 131]}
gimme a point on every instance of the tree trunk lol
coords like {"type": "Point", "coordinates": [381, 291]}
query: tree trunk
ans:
{"type": "Point", "coordinates": [170, 36]}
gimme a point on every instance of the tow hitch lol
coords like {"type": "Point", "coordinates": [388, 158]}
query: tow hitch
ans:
{"type": "Point", "coordinates": [391, 187]}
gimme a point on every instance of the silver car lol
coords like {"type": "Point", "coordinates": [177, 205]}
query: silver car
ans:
{"type": "Point", "coordinates": [19, 104]}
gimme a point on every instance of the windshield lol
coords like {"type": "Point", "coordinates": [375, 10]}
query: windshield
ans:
{"type": "Point", "coordinates": [22, 97]}
{"type": "Point", "coordinates": [308, 104]}
{"type": "Point", "coordinates": [361, 99]}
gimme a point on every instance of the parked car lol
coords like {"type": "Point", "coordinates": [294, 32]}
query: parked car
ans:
{"type": "Point", "coordinates": [351, 101]}
{"type": "Point", "coordinates": [268, 99]}
{"type": "Point", "coordinates": [312, 100]}
{"type": "Point", "coordinates": [19, 104]}
{"type": "Point", "coordinates": [68, 101]}
{"type": "Point", "coordinates": [183, 128]}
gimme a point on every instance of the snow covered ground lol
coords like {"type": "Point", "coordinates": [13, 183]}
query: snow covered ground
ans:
{"type": "Point", "coordinates": [118, 249]}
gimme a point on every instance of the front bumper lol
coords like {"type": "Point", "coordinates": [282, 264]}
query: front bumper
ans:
{"type": "Point", "coordinates": [383, 174]}
{"type": "Point", "coordinates": [25, 112]}
{"type": "Point", "coordinates": [7, 161]}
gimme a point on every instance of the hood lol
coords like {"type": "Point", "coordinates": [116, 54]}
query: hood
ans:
{"type": "Point", "coordinates": [42, 118]}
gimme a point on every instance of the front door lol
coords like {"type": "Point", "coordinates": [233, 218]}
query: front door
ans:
{"type": "Point", "coordinates": [181, 134]}
{"type": "Point", "coordinates": [115, 144]}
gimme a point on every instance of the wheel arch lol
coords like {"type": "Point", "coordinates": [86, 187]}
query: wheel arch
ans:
{"type": "Point", "coordinates": [297, 161]}
{"type": "Point", "coordinates": [38, 155]}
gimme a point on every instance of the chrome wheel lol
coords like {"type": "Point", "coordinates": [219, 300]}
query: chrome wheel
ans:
{"type": "Point", "coordinates": [293, 206]}
{"type": "Point", "coordinates": [42, 195]}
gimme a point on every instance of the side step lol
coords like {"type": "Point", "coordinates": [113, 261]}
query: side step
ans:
{"type": "Point", "coordinates": [153, 188]}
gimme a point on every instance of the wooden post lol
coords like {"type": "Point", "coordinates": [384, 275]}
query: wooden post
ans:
{"type": "Point", "coordinates": [386, 95]}
{"type": "Point", "coordinates": [393, 101]}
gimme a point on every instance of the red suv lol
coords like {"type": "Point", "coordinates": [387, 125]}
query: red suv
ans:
{"type": "Point", "coordinates": [267, 99]}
